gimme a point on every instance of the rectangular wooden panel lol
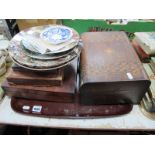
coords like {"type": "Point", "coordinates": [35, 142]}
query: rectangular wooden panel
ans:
{"type": "Point", "coordinates": [35, 78]}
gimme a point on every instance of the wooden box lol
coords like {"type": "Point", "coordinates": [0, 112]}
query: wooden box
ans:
{"type": "Point", "coordinates": [35, 78]}
{"type": "Point", "coordinates": [65, 92]}
{"type": "Point", "coordinates": [111, 72]}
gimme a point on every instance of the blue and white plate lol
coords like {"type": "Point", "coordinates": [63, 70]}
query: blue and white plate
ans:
{"type": "Point", "coordinates": [56, 34]}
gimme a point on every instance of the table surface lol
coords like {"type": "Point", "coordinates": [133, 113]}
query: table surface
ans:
{"type": "Point", "coordinates": [134, 120]}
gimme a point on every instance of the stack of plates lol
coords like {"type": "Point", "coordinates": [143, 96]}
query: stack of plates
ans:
{"type": "Point", "coordinates": [45, 47]}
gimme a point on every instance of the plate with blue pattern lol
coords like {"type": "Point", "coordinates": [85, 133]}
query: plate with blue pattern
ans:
{"type": "Point", "coordinates": [57, 34]}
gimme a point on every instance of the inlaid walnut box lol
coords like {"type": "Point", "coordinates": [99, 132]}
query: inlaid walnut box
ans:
{"type": "Point", "coordinates": [110, 70]}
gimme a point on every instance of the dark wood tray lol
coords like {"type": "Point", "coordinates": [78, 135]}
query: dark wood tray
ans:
{"type": "Point", "coordinates": [61, 109]}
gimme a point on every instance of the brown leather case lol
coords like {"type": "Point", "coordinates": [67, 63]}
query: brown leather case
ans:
{"type": "Point", "coordinates": [111, 72]}
{"type": "Point", "coordinates": [64, 93]}
{"type": "Point", "coordinates": [61, 109]}
{"type": "Point", "coordinates": [144, 57]}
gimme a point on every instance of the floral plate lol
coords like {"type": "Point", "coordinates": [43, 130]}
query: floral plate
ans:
{"type": "Point", "coordinates": [42, 69]}
{"type": "Point", "coordinates": [57, 34]}
{"type": "Point", "coordinates": [19, 57]}
{"type": "Point", "coordinates": [33, 35]}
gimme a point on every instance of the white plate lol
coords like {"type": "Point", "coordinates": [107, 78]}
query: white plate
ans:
{"type": "Point", "coordinates": [4, 44]}
{"type": "Point", "coordinates": [45, 56]}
